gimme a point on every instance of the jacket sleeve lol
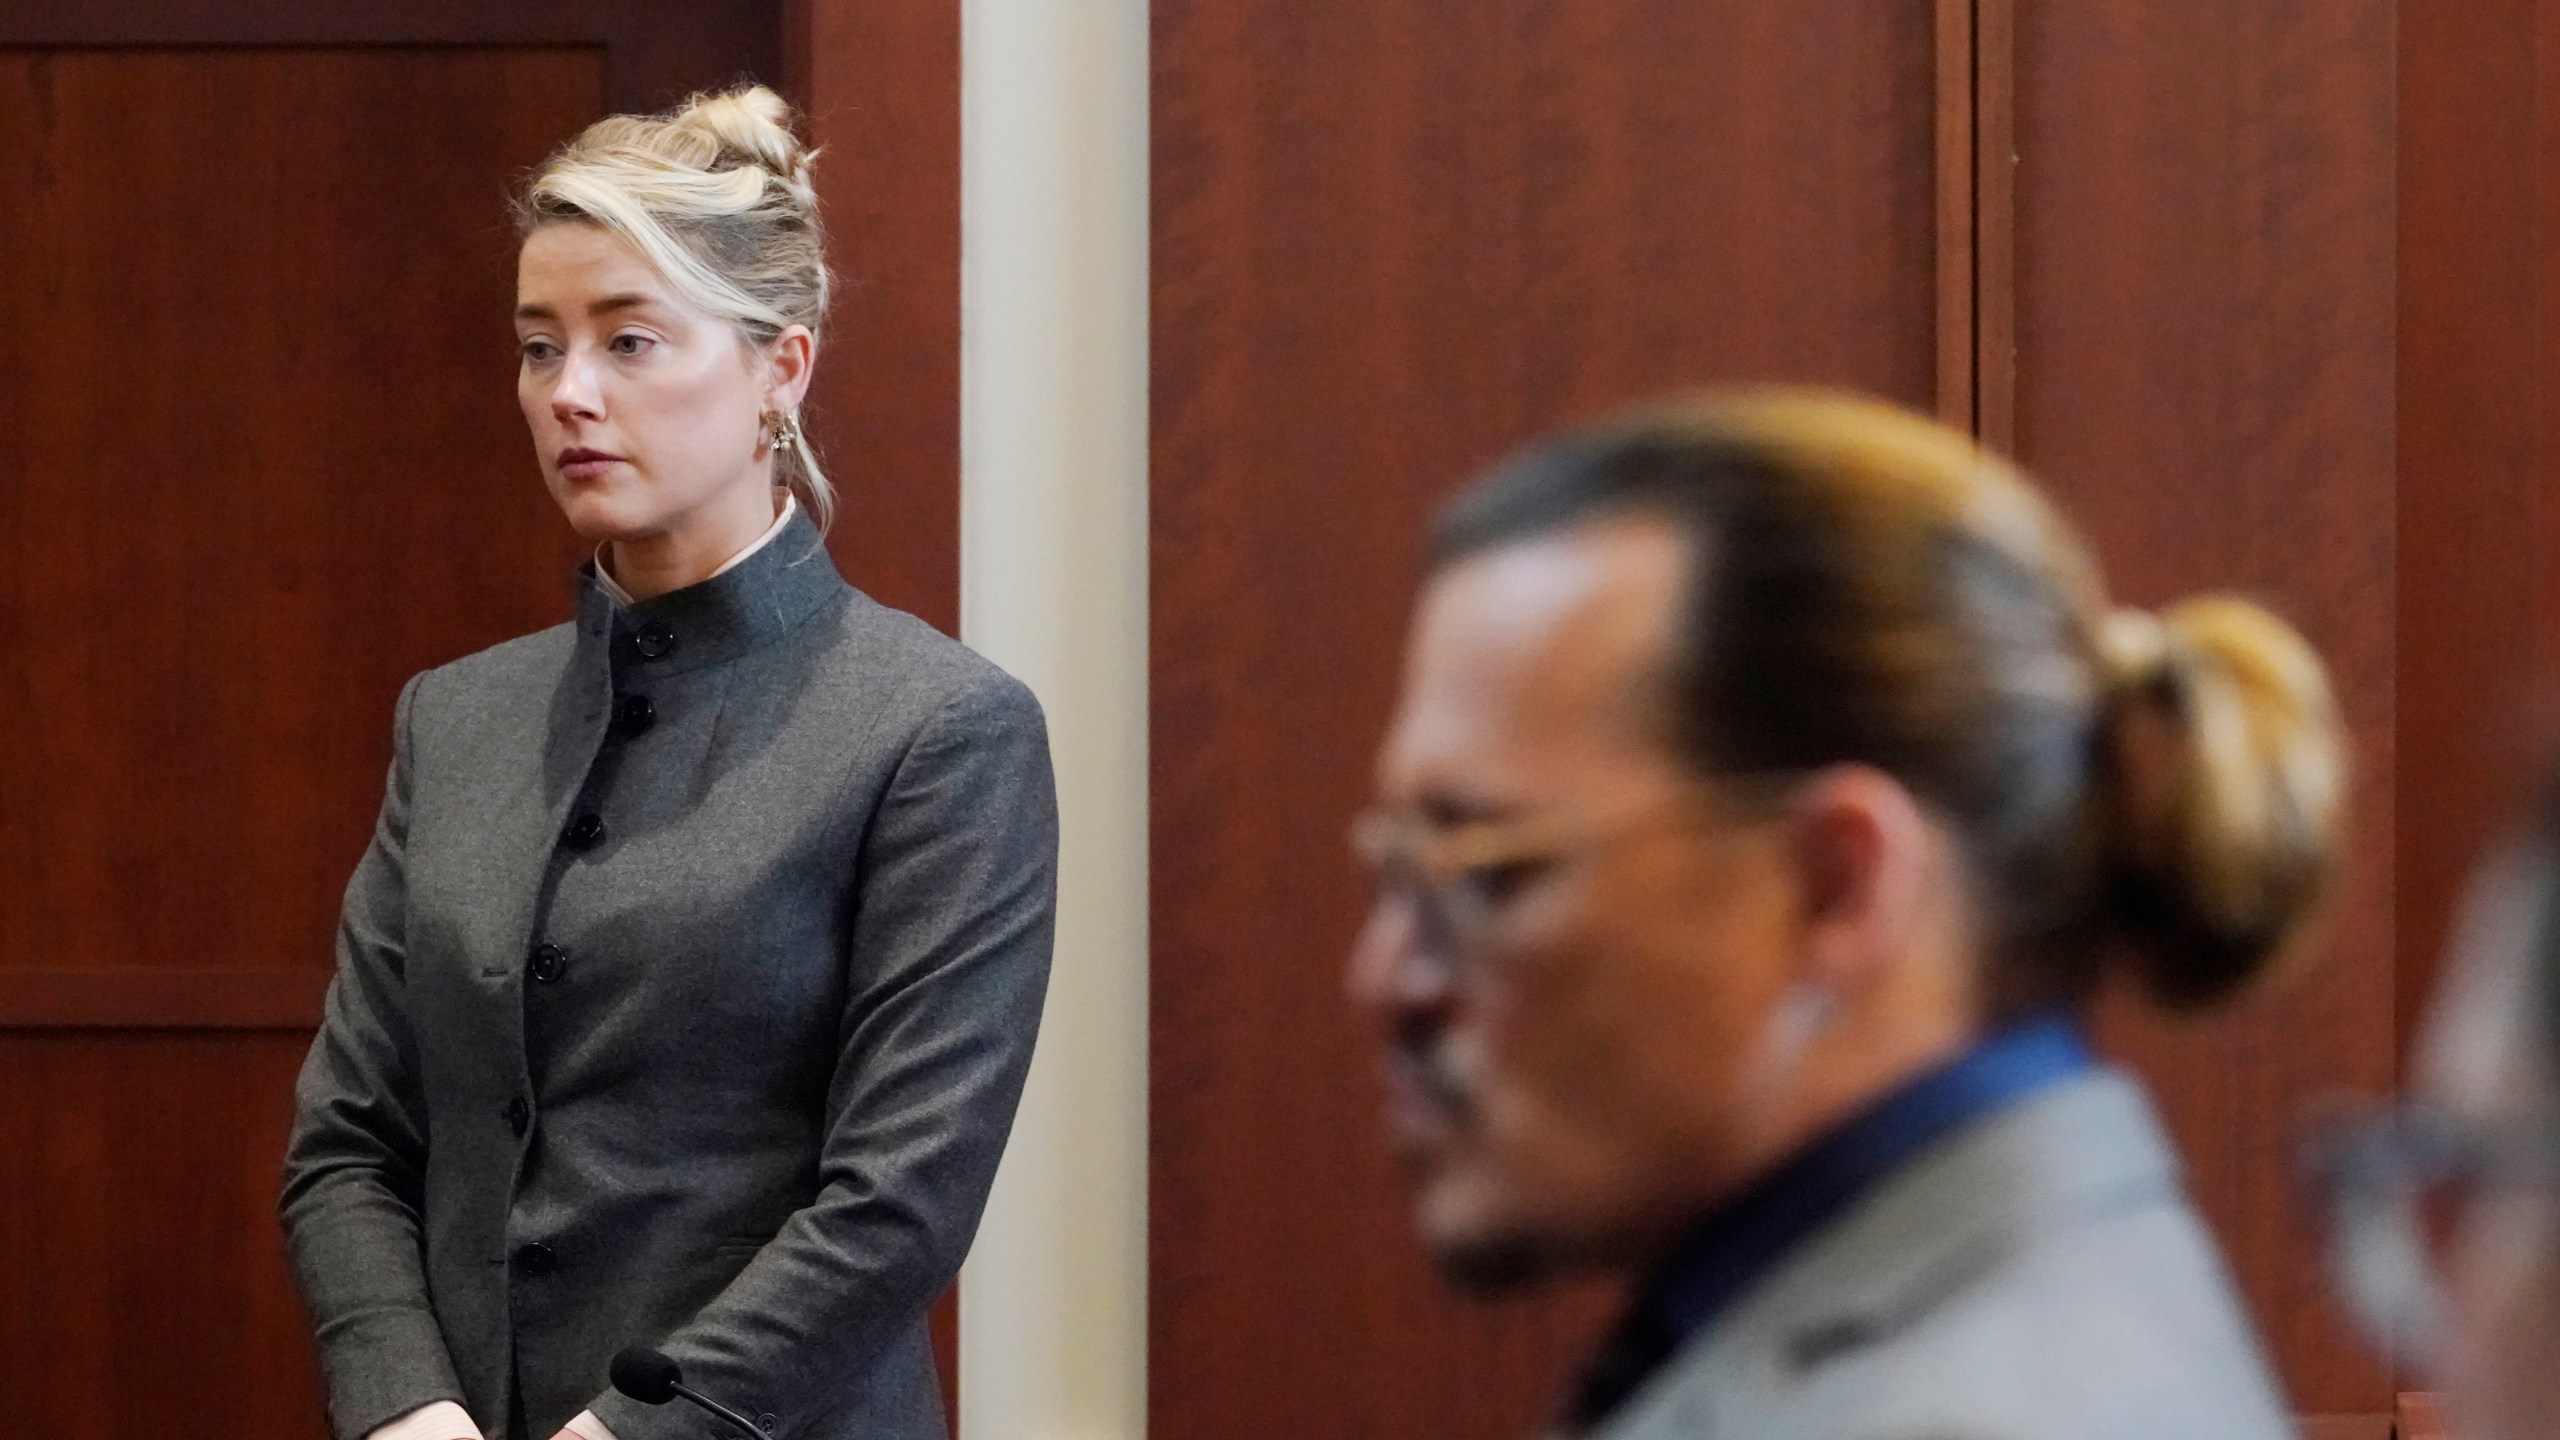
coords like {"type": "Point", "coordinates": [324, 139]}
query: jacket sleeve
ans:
{"type": "Point", "coordinates": [355, 1168]}
{"type": "Point", "coordinates": [955, 911]}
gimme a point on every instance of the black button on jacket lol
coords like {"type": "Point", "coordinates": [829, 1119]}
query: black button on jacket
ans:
{"type": "Point", "coordinates": [810, 942]}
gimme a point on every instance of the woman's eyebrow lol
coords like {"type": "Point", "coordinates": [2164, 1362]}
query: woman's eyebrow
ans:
{"type": "Point", "coordinates": [605, 306]}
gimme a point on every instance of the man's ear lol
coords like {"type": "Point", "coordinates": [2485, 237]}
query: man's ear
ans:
{"type": "Point", "coordinates": [1863, 851]}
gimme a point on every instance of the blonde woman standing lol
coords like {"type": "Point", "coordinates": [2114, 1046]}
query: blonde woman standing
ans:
{"type": "Point", "coordinates": [686, 990]}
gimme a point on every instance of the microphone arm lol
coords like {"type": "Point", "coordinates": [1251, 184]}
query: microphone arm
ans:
{"type": "Point", "coordinates": [745, 1426]}
{"type": "Point", "coordinates": [651, 1378]}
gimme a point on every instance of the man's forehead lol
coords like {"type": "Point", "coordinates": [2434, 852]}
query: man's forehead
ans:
{"type": "Point", "coordinates": [1533, 652]}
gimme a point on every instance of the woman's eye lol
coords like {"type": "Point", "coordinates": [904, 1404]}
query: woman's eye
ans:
{"type": "Point", "coordinates": [537, 351]}
{"type": "Point", "coordinates": [630, 344]}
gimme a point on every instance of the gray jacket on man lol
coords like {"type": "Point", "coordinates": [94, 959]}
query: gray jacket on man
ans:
{"type": "Point", "coordinates": [684, 996]}
{"type": "Point", "coordinates": [2039, 1276]}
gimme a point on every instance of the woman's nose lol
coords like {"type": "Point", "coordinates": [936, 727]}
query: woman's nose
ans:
{"type": "Point", "coordinates": [575, 395]}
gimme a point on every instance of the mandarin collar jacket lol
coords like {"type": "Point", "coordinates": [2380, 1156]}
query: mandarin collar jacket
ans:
{"type": "Point", "coordinates": [684, 997]}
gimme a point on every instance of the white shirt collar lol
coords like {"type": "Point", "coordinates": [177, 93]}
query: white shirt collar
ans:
{"type": "Point", "coordinates": [613, 588]}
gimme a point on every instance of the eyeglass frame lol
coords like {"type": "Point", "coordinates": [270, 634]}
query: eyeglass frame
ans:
{"type": "Point", "coordinates": [2371, 1171]}
{"type": "Point", "coordinates": [1425, 861]}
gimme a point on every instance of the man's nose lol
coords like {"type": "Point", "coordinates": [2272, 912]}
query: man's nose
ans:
{"type": "Point", "coordinates": [1394, 977]}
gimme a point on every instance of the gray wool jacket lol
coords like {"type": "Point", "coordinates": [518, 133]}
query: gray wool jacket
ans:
{"type": "Point", "coordinates": [683, 998]}
{"type": "Point", "coordinates": [2039, 1276]}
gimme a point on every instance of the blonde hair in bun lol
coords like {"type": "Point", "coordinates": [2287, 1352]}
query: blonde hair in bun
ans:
{"type": "Point", "coordinates": [716, 195]}
{"type": "Point", "coordinates": [2159, 792]}
{"type": "Point", "coordinates": [2230, 789]}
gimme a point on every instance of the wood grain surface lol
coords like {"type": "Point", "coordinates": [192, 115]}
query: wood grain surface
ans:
{"type": "Point", "coordinates": [881, 87]}
{"type": "Point", "coordinates": [2205, 270]}
{"type": "Point", "coordinates": [271, 467]}
{"type": "Point", "coordinates": [145, 1284]}
{"type": "Point", "coordinates": [656, 51]}
{"type": "Point", "coordinates": [659, 51]}
{"type": "Point", "coordinates": [264, 463]}
{"type": "Point", "coordinates": [2476, 533]}
{"type": "Point", "coordinates": [305, 22]}
{"type": "Point", "coordinates": [1387, 247]}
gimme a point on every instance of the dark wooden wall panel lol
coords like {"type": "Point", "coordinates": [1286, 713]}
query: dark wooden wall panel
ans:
{"type": "Point", "coordinates": [2544, 731]}
{"type": "Point", "coordinates": [263, 462]}
{"type": "Point", "coordinates": [305, 22]}
{"type": "Point", "coordinates": [1385, 247]}
{"type": "Point", "coordinates": [142, 1284]}
{"type": "Point", "coordinates": [881, 85]}
{"type": "Point", "coordinates": [2475, 542]}
{"type": "Point", "coordinates": [663, 50]}
{"type": "Point", "coordinates": [656, 51]}
{"type": "Point", "coordinates": [271, 466]}
{"type": "Point", "coordinates": [2205, 272]}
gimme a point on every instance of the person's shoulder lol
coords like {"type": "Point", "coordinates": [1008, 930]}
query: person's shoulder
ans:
{"type": "Point", "coordinates": [2122, 1324]}
{"type": "Point", "coordinates": [924, 677]}
{"type": "Point", "coordinates": [2053, 1356]}
{"type": "Point", "coordinates": [2043, 1275]}
{"type": "Point", "coordinates": [547, 649]}
{"type": "Point", "coordinates": [503, 675]}
{"type": "Point", "coordinates": [2124, 1335]}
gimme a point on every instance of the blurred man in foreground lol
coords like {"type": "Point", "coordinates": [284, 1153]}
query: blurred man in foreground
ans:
{"type": "Point", "coordinates": [2446, 1212]}
{"type": "Point", "coordinates": [1771, 789]}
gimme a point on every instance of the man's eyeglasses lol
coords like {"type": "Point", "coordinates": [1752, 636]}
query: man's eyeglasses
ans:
{"type": "Point", "coordinates": [1454, 878]}
{"type": "Point", "coordinates": [2397, 1183]}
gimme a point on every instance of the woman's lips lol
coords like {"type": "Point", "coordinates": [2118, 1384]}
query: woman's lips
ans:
{"type": "Point", "coordinates": [586, 464]}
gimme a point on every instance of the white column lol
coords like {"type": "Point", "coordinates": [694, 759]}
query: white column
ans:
{"type": "Point", "coordinates": [1053, 560]}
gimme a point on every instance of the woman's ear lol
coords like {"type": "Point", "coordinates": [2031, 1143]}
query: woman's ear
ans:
{"type": "Point", "coordinates": [1864, 852]}
{"type": "Point", "coordinates": [788, 362]}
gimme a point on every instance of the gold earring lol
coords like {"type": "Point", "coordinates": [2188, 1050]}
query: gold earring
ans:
{"type": "Point", "coordinates": [784, 428]}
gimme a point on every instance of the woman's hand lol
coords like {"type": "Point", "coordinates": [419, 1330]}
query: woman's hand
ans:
{"type": "Point", "coordinates": [585, 1426]}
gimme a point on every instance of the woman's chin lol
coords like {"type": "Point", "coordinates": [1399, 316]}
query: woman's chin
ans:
{"type": "Point", "coordinates": [600, 516]}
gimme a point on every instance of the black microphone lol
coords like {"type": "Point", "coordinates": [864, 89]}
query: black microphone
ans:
{"type": "Point", "coordinates": [651, 1378]}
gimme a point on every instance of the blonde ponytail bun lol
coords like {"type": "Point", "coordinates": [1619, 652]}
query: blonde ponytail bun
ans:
{"type": "Point", "coordinates": [750, 127]}
{"type": "Point", "coordinates": [2227, 792]}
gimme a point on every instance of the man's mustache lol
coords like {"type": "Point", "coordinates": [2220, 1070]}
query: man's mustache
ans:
{"type": "Point", "coordinates": [1421, 1061]}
